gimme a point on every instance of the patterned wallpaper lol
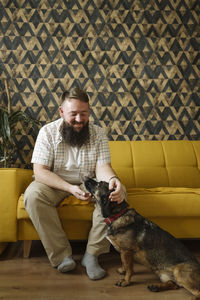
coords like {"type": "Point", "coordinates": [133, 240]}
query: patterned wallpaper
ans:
{"type": "Point", "coordinates": [139, 61]}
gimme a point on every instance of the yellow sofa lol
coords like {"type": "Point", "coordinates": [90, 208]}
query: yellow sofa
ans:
{"type": "Point", "coordinates": [162, 180]}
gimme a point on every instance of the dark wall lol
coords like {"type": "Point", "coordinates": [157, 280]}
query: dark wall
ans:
{"type": "Point", "coordinates": [138, 60]}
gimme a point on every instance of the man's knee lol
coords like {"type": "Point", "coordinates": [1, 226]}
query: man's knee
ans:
{"type": "Point", "coordinates": [38, 193]}
{"type": "Point", "coordinates": [31, 196]}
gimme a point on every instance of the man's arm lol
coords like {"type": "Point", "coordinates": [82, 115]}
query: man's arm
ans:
{"type": "Point", "coordinates": [104, 172]}
{"type": "Point", "coordinates": [44, 175]}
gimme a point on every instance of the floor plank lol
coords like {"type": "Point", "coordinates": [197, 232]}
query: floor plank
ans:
{"type": "Point", "coordinates": [35, 279]}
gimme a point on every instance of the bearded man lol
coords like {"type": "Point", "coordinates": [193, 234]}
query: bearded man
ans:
{"type": "Point", "coordinates": [65, 151]}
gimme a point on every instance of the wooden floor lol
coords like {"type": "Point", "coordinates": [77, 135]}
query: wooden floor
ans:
{"type": "Point", "coordinates": [35, 279]}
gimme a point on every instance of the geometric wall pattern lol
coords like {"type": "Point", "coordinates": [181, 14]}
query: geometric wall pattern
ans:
{"type": "Point", "coordinates": [139, 61]}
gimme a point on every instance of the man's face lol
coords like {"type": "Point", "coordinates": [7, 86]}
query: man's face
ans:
{"type": "Point", "coordinates": [75, 113]}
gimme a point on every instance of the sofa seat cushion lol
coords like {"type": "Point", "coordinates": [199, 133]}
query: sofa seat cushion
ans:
{"type": "Point", "coordinates": [152, 202]}
{"type": "Point", "coordinates": [165, 201]}
{"type": "Point", "coordinates": [69, 209]}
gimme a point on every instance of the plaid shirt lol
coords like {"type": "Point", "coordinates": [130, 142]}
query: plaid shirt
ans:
{"type": "Point", "coordinates": [52, 151]}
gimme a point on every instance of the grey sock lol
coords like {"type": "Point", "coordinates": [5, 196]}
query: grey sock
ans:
{"type": "Point", "coordinates": [93, 269]}
{"type": "Point", "coordinates": [68, 264]}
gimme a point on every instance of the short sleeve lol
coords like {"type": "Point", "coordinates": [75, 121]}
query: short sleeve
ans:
{"type": "Point", "coordinates": [43, 150]}
{"type": "Point", "coordinates": [103, 151]}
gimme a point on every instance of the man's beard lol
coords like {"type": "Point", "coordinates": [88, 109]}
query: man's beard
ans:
{"type": "Point", "coordinates": [75, 138]}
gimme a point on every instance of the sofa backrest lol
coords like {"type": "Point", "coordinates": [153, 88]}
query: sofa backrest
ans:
{"type": "Point", "coordinates": [146, 164]}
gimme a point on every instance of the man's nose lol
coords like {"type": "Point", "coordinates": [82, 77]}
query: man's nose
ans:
{"type": "Point", "coordinates": [78, 118]}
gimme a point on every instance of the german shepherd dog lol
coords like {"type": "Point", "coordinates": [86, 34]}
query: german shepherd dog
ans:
{"type": "Point", "coordinates": [140, 240]}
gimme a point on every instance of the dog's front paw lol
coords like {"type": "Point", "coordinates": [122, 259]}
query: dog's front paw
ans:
{"type": "Point", "coordinates": [154, 288]}
{"type": "Point", "coordinates": [122, 283]}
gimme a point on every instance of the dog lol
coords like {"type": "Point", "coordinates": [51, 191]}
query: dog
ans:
{"type": "Point", "coordinates": [139, 239]}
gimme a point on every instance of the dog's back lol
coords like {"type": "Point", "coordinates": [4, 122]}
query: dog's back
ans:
{"type": "Point", "coordinates": [162, 249]}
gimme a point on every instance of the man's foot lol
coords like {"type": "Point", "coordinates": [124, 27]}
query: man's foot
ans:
{"type": "Point", "coordinates": [93, 269]}
{"type": "Point", "coordinates": [68, 264]}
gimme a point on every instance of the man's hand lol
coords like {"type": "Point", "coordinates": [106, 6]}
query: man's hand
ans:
{"type": "Point", "coordinates": [104, 172]}
{"type": "Point", "coordinates": [118, 194]}
{"type": "Point", "coordinates": [79, 194]}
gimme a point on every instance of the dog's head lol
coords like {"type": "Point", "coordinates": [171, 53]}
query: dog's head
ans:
{"type": "Point", "coordinates": [100, 191]}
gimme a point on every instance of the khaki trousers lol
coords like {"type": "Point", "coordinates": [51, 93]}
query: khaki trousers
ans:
{"type": "Point", "coordinates": [41, 202]}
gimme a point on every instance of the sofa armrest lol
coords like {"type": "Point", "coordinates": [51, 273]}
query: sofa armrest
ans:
{"type": "Point", "coordinates": [13, 182]}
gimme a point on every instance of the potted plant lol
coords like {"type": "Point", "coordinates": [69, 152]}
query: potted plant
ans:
{"type": "Point", "coordinates": [9, 121]}
{"type": "Point", "coordinates": [9, 188]}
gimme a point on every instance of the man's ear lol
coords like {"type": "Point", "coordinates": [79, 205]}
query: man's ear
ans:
{"type": "Point", "coordinates": [61, 111]}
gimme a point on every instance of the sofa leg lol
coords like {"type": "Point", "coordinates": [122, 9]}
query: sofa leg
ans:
{"type": "Point", "coordinates": [27, 248]}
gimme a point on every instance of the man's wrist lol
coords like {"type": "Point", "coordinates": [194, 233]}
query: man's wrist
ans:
{"type": "Point", "coordinates": [112, 177]}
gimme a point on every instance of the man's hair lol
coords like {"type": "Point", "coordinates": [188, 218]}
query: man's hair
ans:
{"type": "Point", "coordinates": [75, 93]}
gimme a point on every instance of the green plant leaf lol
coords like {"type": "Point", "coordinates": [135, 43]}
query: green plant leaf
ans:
{"type": "Point", "coordinates": [9, 128]}
{"type": "Point", "coordinates": [5, 126]}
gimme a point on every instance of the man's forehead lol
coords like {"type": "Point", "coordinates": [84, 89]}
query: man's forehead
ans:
{"type": "Point", "coordinates": [76, 105]}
